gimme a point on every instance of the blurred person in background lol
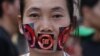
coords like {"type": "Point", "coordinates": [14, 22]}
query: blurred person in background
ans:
{"type": "Point", "coordinates": [89, 31]}
{"type": "Point", "coordinates": [9, 11]}
{"type": "Point", "coordinates": [7, 48]}
{"type": "Point", "coordinates": [46, 25]}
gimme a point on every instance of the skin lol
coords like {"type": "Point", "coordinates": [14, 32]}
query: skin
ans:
{"type": "Point", "coordinates": [47, 17]}
{"type": "Point", "coordinates": [9, 22]}
{"type": "Point", "coordinates": [10, 13]}
{"type": "Point", "coordinates": [92, 19]}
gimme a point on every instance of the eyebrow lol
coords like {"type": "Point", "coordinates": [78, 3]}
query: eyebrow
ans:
{"type": "Point", "coordinates": [57, 9]}
{"type": "Point", "coordinates": [33, 9]}
{"type": "Point", "coordinates": [53, 9]}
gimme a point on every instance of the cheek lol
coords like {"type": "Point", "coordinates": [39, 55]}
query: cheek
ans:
{"type": "Point", "coordinates": [27, 20]}
{"type": "Point", "coordinates": [63, 22]}
{"type": "Point", "coordinates": [97, 12]}
{"type": "Point", "coordinates": [17, 4]}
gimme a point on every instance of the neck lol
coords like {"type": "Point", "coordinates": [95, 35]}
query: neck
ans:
{"type": "Point", "coordinates": [34, 53]}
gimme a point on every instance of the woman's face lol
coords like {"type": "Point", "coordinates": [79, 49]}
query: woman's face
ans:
{"type": "Point", "coordinates": [46, 15]}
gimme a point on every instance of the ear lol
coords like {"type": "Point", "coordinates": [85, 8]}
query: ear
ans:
{"type": "Point", "coordinates": [5, 7]}
{"type": "Point", "coordinates": [20, 24]}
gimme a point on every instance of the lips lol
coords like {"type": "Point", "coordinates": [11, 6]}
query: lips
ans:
{"type": "Point", "coordinates": [45, 41]}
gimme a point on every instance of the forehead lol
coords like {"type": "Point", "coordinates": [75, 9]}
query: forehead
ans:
{"type": "Point", "coordinates": [97, 7]}
{"type": "Point", "coordinates": [45, 3]}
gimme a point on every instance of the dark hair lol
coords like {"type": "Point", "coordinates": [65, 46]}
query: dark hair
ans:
{"type": "Point", "coordinates": [88, 3]}
{"type": "Point", "coordinates": [69, 5]}
{"type": "Point", "coordinates": [1, 1]}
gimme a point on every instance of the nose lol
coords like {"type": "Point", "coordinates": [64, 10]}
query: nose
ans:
{"type": "Point", "coordinates": [46, 27]}
{"type": "Point", "coordinates": [46, 30]}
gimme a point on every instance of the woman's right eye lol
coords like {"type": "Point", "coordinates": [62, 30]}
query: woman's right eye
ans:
{"type": "Point", "coordinates": [34, 15]}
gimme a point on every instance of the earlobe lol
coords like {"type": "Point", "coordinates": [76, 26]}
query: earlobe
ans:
{"type": "Point", "coordinates": [20, 24]}
{"type": "Point", "coordinates": [21, 29]}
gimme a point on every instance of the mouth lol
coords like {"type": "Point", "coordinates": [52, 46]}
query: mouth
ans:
{"type": "Point", "coordinates": [45, 41]}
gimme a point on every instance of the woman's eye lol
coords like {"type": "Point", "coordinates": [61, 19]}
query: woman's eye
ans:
{"type": "Point", "coordinates": [57, 16]}
{"type": "Point", "coordinates": [34, 15]}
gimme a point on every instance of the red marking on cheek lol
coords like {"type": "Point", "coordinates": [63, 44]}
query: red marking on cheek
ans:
{"type": "Point", "coordinates": [63, 37]}
{"type": "Point", "coordinates": [30, 35]}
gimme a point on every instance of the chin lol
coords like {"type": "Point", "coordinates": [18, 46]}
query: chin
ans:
{"type": "Point", "coordinates": [43, 51]}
